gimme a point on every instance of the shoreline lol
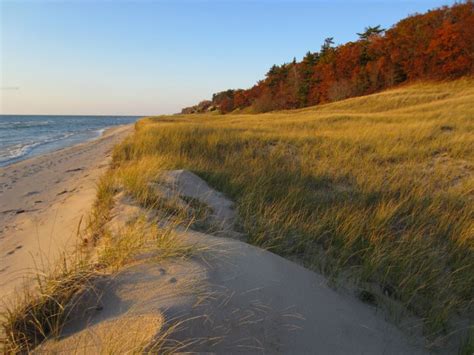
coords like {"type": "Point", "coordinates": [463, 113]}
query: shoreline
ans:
{"type": "Point", "coordinates": [101, 133]}
{"type": "Point", "coordinates": [43, 200]}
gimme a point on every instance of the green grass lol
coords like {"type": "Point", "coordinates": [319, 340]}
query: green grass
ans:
{"type": "Point", "coordinates": [378, 188]}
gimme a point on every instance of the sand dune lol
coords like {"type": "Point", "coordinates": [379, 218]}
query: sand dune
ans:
{"type": "Point", "coordinates": [231, 298]}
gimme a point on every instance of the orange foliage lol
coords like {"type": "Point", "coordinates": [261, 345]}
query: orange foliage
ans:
{"type": "Point", "coordinates": [436, 45]}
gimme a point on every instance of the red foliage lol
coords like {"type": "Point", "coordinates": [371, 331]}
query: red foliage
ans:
{"type": "Point", "coordinates": [436, 45]}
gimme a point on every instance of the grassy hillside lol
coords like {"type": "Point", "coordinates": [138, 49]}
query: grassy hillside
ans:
{"type": "Point", "coordinates": [378, 189]}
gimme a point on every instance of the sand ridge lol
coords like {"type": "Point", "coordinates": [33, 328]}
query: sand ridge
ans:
{"type": "Point", "coordinates": [234, 298]}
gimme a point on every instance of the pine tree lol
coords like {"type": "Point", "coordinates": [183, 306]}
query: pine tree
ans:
{"type": "Point", "coordinates": [328, 42]}
{"type": "Point", "coordinates": [371, 31]}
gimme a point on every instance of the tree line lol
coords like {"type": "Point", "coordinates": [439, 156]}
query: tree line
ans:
{"type": "Point", "coordinates": [436, 45]}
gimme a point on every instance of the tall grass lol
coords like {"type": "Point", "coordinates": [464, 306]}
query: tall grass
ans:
{"type": "Point", "coordinates": [379, 188]}
{"type": "Point", "coordinates": [40, 312]}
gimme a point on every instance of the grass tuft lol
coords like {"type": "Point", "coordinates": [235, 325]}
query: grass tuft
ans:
{"type": "Point", "coordinates": [41, 312]}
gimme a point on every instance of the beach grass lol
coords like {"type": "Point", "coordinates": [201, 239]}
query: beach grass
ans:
{"type": "Point", "coordinates": [41, 309]}
{"type": "Point", "coordinates": [40, 312]}
{"type": "Point", "coordinates": [377, 190]}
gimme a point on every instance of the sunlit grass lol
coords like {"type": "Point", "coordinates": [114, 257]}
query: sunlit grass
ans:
{"type": "Point", "coordinates": [378, 187]}
{"type": "Point", "coordinates": [40, 312]}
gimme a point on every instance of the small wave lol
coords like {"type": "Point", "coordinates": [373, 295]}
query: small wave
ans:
{"type": "Point", "coordinates": [19, 150]}
{"type": "Point", "coordinates": [16, 151]}
{"type": "Point", "coordinates": [23, 124]}
{"type": "Point", "coordinates": [100, 132]}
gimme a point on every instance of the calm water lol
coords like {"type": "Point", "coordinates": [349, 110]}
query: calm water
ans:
{"type": "Point", "coordinates": [22, 136]}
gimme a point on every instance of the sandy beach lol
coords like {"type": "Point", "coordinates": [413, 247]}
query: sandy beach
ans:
{"type": "Point", "coordinates": [42, 202]}
{"type": "Point", "coordinates": [228, 295]}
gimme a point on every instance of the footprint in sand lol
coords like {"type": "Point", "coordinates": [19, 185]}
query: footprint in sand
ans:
{"type": "Point", "coordinates": [74, 170]}
{"type": "Point", "coordinates": [14, 250]}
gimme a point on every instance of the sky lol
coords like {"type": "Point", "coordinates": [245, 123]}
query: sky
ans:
{"type": "Point", "coordinates": [146, 57]}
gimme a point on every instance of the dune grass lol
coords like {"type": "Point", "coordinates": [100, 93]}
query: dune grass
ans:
{"type": "Point", "coordinates": [376, 189]}
{"type": "Point", "coordinates": [41, 310]}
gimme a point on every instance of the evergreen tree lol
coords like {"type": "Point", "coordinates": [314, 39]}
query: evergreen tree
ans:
{"type": "Point", "coordinates": [328, 42]}
{"type": "Point", "coordinates": [371, 31]}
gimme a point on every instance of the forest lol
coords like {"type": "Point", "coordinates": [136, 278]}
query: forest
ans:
{"type": "Point", "coordinates": [436, 45]}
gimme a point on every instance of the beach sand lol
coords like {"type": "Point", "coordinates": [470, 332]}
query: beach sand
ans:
{"type": "Point", "coordinates": [42, 202]}
{"type": "Point", "coordinates": [226, 297]}
{"type": "Point", "coordinates": [235, 297]}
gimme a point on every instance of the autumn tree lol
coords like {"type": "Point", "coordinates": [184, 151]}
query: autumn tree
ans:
{"type": "Point", "coordinates": [438, 44]}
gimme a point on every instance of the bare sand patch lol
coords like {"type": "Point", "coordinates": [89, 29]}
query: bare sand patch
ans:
{"type": "Point", "coordinates": [229, 297]}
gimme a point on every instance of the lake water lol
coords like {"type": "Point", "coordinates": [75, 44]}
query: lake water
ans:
{"type": "Point", "coordinates": [24, 136]}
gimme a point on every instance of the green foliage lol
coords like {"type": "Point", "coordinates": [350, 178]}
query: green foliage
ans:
{"type": "Point", "coordinates": [370, 32]}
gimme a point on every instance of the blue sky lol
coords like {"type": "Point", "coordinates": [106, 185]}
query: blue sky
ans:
{"type": "Point", "coordinates": [152, 57]}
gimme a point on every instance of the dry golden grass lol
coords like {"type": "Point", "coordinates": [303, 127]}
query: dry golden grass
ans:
{"type": "Point", "coordinates": [378, 189]}
{"type": "Point", "coordinates": [40, 311]}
